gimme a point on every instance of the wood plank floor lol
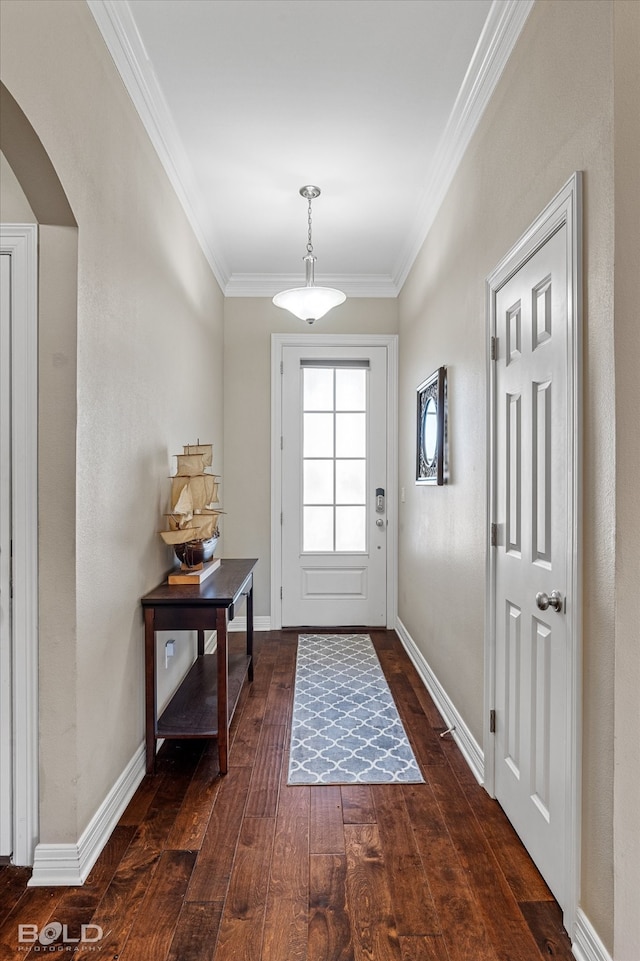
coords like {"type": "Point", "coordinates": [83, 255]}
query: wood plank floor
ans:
{"type": "Point", "coordinates": [245, 868]}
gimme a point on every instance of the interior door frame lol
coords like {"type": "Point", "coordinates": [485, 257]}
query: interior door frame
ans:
{"type": "Point", "coordinates": [20, 242]}
{"type": "Point", "coordinates": [278, 342]}
{"type": "Point", "coordinates": [564, 210]}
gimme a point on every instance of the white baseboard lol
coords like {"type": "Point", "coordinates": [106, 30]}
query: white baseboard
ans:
{"type": "Point", "coordinates": [586, 945]}
{"type": "Point", "coordinates": [69, 864]}
{"type": "Point", "coordinates": [261, 623]}
{"type": "Point", "coordinates": [461, 734]}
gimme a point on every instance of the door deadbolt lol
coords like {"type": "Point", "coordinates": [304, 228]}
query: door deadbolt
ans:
{"type": "Point", "coordinates": [544, 601]}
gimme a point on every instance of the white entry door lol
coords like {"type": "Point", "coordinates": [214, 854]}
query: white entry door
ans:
{"type": "Point", "coordinates": [6, 686]}
{"type": "Point", "coordinates": [334, 486]}
{"type": "Point", "coordinates": [534, 509]}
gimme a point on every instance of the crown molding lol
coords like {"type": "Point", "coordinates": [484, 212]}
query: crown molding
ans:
{"type": "Point", "coordinates": [505, 20]}
{"type": "Point", "coordinates": [118, 28]}
{"type": "Point", "coordinates": [268, 285]}
{"type": "Point", "coordinates": [504, 23]}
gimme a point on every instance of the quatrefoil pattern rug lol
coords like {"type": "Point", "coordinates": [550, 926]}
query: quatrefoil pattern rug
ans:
{"type": "Point", "coordinates": [346, 728]}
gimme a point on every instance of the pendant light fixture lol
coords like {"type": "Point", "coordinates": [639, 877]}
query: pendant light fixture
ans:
{"type": "Point", "coordinates": [309, 302]}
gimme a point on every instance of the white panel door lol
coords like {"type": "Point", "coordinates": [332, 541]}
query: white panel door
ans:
{"type": "Point", "coordinates": [532, 650]}
{"type": "Point", "coordinates": [334, 521]}
{"type": "Point", "coordinates": [6, 686]}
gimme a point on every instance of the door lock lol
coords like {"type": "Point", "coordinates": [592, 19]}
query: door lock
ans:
{"type": "Point", "coordinates": [544, 601]}
{"type": "Point", "coordinates": [379, 501]}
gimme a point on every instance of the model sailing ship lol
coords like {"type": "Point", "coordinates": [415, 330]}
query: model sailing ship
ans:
{"type": "Point", "coordinates": [193, 518]}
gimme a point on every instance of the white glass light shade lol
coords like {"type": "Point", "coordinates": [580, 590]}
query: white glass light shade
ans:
{"type": "Point", "coordinates": [309, 303]}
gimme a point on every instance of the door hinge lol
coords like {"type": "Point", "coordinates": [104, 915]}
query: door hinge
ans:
{"type": "Point", "coordinates": [494, 348]}
{"type": "Point", "coordinates": [492, 722]}
{"type": "Point", "coordinates": [282, 367]}
{"type": "Point", "coordinates": [494, 535]}
{"type": "Point", "coordinates": [281, 516]}
{"type": "Point", "coordinates": [280, 593]}
{"type": "Point", "coordinates": [281, 442]}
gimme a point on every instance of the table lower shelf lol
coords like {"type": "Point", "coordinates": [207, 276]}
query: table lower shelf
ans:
{"type": "Point", "coordinates": [193, 710]}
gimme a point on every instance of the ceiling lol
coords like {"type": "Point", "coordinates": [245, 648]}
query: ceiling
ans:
{"type": "Point", "coordinates": [373, 101]}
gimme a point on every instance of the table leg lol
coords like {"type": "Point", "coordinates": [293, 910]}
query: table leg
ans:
{"type": "Point", "coordinates": [150, 688]}
{"type": "Point", "coordinates": [223, 689]}
{"type": "Point", "coordinates": [250, 629]}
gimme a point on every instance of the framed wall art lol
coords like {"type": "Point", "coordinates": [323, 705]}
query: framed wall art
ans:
{"type": "Point", "coordinates": [431, 453]}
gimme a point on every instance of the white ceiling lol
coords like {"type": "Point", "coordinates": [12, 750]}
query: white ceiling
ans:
{"type": "Point", "coordinates": [373, 101]}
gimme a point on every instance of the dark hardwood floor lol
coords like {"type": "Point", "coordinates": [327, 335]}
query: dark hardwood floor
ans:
{"type": "Point", "coordinates": [244, 868]}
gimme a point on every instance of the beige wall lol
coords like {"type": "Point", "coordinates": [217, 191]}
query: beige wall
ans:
{"type": "Point", "coordinates": [550, 115]}
{"type": "Point", "coordinates": [135, 341]}
{"type": "Point", "coordinates": [627, 359]}
{"type": "Point", "coordinates": [14, 206]}
{"type": "Point", "coordinates": [246, 489]}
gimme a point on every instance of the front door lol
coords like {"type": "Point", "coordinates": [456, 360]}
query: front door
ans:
{"type": "Point", "coordinates": [533, 582]}
{"type": "Point", "coordinates": [334, 486]}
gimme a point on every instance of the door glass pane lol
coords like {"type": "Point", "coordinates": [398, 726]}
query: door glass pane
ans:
{"type": "Point", "coordinates": [318, 482]}
{"type": "Point", "coordinates": [318, 389]}
{"type": "Point", "coordinates": [334, 471]}
{"type": "Point", "coordinates": [318, 435]}
{"type": "Point", "coordinates": [351, 389]}
{"type": "Point", "coordinates": [350, 528]}
{"type": "Point", "coordinates": [317, 529]}
{"type": "Point", "coordinates": [351, 480]}
{"type": "Point", "coordinates": [351, 435]}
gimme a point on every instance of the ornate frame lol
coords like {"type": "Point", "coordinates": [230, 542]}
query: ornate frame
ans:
{"type": "Point", "coordinates": [431, 440]}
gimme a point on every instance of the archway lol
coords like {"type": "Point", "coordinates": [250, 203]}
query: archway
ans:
{"type": "Point", "coordinates": [46, 467]}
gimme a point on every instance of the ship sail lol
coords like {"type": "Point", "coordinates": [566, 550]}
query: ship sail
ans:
{"type": "Point", "coordinates": [180, 522]}
{"type": "Point", "coordinates": [206, 450]}
{"type": "Point", "coordinates": [177, 536]}
{"type": "Point", "coordinates": [184, 504]}
{"type": "Point", "coordinates": [206, 525]}
{"type": "Point", "coordinates": [190, 464]}
{"type": "Point", "coordinates": [202, 488]}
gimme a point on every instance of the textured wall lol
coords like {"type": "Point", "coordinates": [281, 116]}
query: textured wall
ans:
{"type": "Point", "coordinates": [627, 356]}
{"type": "Point", "coordinates": [14, 206]}
{"type": "Point", "coordinates": [550, 115]}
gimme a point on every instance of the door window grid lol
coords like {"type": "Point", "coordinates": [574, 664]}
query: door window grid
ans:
{"type": "Point", "coordinates": [334, 487]}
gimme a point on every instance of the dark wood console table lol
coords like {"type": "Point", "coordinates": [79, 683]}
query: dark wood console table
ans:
{"type": "Point", "coordinates": [204, 703]}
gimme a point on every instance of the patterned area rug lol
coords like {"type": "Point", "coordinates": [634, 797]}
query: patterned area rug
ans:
{"type": "Point", "coordinates": [346, 728]}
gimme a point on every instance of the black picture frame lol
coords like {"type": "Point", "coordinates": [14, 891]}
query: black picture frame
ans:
{"type": "Point", "coordinates": [431, 441]}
